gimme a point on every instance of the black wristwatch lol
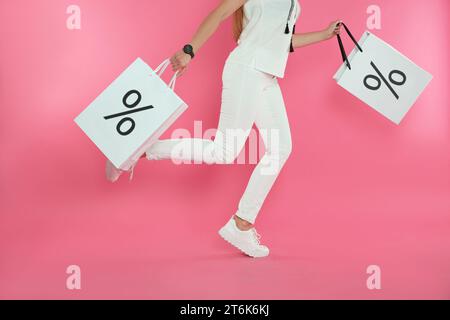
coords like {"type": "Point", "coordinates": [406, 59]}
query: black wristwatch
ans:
{"type": "Point", "coordinates": [189, 50]}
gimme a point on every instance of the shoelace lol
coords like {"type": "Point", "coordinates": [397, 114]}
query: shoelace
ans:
{"type": "Point", "coordinates": [257, 236]}
{"type": "Point", "coordinates": [132, 172]}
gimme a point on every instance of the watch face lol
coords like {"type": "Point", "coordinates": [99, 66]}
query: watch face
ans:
{"type": "Point", "coordinates": [188, 50]}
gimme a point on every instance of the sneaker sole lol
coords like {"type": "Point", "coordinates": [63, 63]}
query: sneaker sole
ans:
{"type": "Point", "coordinates": [229, 238]}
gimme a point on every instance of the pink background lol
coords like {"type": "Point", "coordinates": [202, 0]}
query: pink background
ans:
{"type": "Point", "coordinates": [358, 190]}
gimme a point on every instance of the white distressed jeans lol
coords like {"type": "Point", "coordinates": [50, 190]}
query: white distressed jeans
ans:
{"type": "Point", "coordinates": [249, 97]}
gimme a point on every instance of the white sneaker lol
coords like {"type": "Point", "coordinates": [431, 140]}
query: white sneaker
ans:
{"type": "Point", "coordinates": [112, 173]}
{"type": "Point", "coordinates": [246, 241]}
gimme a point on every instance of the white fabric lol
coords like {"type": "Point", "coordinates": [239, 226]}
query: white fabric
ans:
{"type": "Point", "coordinates": [248, 96]}
{"type": "Point", "coordinates": [263, 36]}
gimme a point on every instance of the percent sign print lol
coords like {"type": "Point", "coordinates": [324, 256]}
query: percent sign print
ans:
{"type": "Point", "coordinates": [383, 78]}
{"type": "Point", "coordinates": [125, 113]}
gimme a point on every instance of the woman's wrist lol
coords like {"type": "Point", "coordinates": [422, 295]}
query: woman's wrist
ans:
{"type": "Point", "coordinates": [324, 35]}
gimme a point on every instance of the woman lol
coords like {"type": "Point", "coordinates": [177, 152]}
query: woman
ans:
{"type": "Point", "coordinates": [265, 33]}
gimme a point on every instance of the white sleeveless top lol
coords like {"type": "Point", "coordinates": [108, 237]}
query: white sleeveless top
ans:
{"type": "Point", "coordinates": [264, 42]}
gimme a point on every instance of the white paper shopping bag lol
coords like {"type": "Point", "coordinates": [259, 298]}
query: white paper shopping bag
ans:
{"type": "Point", "coordinates": [132, 113]}
{"type": "Point", "coordinates": [381, 76]}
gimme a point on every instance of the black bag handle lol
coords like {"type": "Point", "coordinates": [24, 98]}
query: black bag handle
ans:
{"type": "Point", "coordinates": [341, 45]}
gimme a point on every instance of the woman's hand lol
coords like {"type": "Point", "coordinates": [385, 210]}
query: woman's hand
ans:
{"type": "Point", "coordinates": [179, 62]}
{"type": "Point", "coordinates": [209, 25]}
{"type": "Point", "coordinates": [333, 29]}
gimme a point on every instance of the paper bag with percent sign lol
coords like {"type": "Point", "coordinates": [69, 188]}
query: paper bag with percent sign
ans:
{"type": "Point", "coordinates": [380, 76]}
{"type": "Point", "coordinates": [132, 113]}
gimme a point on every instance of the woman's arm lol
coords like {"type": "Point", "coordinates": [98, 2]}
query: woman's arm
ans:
{"type": "Point", "coordinates": [226, 8]}
{"type": "Point", "coordinates": [305, 39]}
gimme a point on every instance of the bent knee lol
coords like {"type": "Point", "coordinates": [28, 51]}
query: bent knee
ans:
{"type": "Point", "coordinates": [285, 150]}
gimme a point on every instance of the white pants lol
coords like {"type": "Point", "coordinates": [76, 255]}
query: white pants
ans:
{"type": "Point", "coordinates": [248, 96]}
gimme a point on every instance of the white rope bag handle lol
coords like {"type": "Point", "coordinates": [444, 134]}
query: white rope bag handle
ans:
{"type": "Point", "coordinates": [160, 70]}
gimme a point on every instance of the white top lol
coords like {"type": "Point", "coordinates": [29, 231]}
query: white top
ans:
{"type": "Point", "coordinates": [263, 42]}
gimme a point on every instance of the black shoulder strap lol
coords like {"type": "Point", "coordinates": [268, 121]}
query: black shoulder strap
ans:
{"type": "Point", "coordinates": [341, 45]}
